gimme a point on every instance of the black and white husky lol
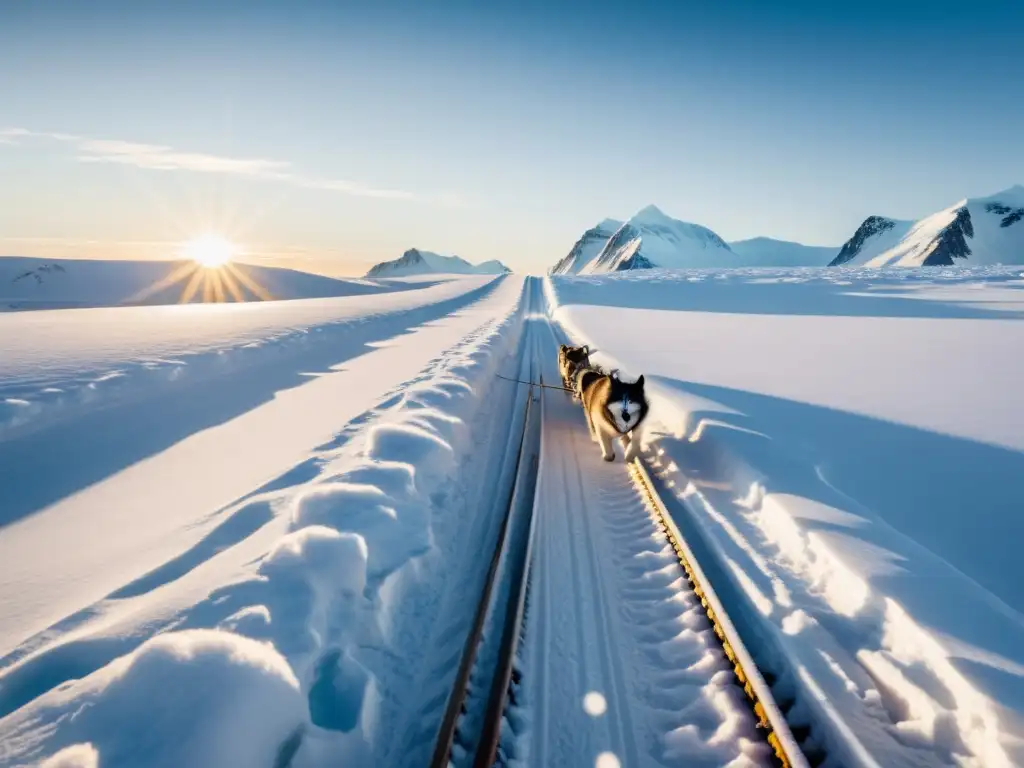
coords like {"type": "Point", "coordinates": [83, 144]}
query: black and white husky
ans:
{"type": "Point", "coordinates": [614, 408]}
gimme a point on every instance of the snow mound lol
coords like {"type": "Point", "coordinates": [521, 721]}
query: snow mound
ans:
{"type": "Point", "coordinates": [327, 560]}
{"type": "Point", "coordinates": [202, 698]}
{"type": "Point", "coordinates": [980, 231]}
{"type": "Point", "coordinates": [417, 262]}
{"type": "Point", "coordinates": [27, 283]}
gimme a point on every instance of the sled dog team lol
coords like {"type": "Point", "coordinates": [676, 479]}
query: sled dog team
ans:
{"type": "Point", "coordinates": [613, 407]}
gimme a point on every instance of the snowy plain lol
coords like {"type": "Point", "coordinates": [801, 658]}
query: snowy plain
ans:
{"type": "Point", "coordinates": [847, 445]}
{"type": "Point", "coordinates": [278, 515]}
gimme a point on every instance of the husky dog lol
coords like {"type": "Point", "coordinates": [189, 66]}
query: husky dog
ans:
{"type": "Point", "coordinates": [614, 408]}
{"type": "Point", "coordinates": [570, 360]}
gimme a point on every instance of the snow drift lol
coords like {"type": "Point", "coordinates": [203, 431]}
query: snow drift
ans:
{"type": "Point", "coordinates": [197, 697]}
{"type": "Point", "coordinates": [977, 231]}
{"type": "Point", "coordinates": [417, 262]}
{"type": "Point", "coordinates": [27, 283]}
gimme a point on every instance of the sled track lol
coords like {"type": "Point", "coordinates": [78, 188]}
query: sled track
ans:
{"type": "Point", "coordinates": [769, 716]}
{"type": "Point", "coordinates": [508, 578]}
{"type": "Point", "coordinates": [488, 685]}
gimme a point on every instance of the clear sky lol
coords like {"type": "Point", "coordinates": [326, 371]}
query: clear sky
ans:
{"type": "Point", "coordinates": [331, 135]}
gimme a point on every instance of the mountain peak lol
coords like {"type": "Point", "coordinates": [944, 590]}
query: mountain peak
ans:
{"type": "Point", "coordinates": [1013, 195]}
{"type": "Point", "coordinates": [973, 231]}
{"type": "Point", "coordinates": [418, 262]}
{"type": "Point", "coordinates": [649, 214]}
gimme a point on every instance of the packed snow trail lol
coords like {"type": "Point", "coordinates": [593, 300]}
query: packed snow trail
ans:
{"type": "Point", "coordinates": [620, 664]}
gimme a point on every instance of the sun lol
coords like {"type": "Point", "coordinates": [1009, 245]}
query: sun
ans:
{"type": "Point", "coordinates": [209, 250]}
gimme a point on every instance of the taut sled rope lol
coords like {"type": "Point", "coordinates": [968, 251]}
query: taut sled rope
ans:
{"type": "Point", "coordinates": [533, 383]}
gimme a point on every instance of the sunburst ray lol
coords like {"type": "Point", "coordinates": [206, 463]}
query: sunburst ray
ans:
{"type": "Point", "coordinates": [176, 275]}
{"type": "Point", "coordinates": [192, 287]}
{"type": "Point", "coordinates": [231, 285]}
{"type": "Point", "coordinates": [258, 290]}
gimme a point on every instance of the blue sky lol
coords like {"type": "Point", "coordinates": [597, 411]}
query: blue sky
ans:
{"type": "Point", "coordinates": [329, 136]}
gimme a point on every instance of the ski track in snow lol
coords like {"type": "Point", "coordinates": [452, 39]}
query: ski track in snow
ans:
{"type": "Point", "coordinates": [800, 513]}
{"type": "Point", "coordinates": [316, 565]}
{"type": "Point", "coordinates": [614, 626]}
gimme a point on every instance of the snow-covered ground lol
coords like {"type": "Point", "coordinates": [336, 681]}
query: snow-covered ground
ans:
{"type": "Point", "coordinates": [848, 446]}
{"type": "Point", "coordinates": [255, 534]}
{"type": "Point", "coordinates": [264, 490]}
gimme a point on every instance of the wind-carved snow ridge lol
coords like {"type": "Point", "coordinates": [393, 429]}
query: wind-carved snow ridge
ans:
{"type": "Point", "coordinates": [302, 660]}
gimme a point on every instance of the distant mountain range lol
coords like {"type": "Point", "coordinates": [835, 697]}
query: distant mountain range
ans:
{"type": "Point", "coordinates": [30, 283]}
{"type": "Point", "coordinates": [417, 262]}
{"type": "Point", "coordinates": [651, 239]}
{"type": "Point", "coordinates": [974, 231]}
{"type": "Point", "coordinates": [978, 231]}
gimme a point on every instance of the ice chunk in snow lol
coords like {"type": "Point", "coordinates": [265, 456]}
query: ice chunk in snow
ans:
{"type": "Point", "coordinates": [235, 698]}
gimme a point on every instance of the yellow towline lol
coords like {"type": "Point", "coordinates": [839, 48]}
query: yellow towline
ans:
{"type": "Point", "coordinates": [768, 714]}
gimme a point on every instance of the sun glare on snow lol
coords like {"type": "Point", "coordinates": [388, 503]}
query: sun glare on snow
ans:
{"type": "Point", "coordinates": [209, 250]}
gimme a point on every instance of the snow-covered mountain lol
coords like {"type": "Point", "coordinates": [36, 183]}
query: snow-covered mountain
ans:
{"type": "Point", "coordinates": [768, 252]}
{"type": "Point", "coordinates": [973, 232]}
{"type": "Point", "coordinates": [653, 239]}
{"type": "Point", "coordinates": [648, 239]}
{"type": "Point", "coordinates": [417, 262]}
{"type": "Point", "coordinates": [30, 283]}
{"type": "Point", "coordinates": [875, 235]}
{"type": "Point", "coordinates": [586, 248]}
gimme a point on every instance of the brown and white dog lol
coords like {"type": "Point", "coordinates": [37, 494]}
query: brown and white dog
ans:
{"type": "Point", "coordinates": [570, 360]}
{"type": "Point", "coordinates": [614, 408]}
